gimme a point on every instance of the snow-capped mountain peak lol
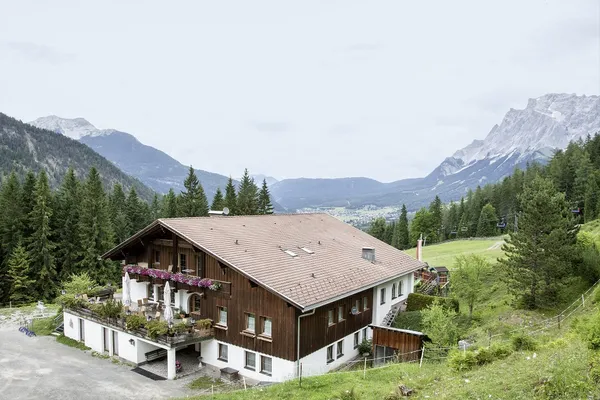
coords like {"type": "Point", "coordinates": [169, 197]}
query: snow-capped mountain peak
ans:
{"type": "Point", "coordinates": [548, 122]}
{"type": "Point", "coordinates": [75, 128]}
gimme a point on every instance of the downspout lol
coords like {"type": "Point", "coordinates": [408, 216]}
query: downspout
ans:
{"type": "Point", "coordinates": [298, 343]}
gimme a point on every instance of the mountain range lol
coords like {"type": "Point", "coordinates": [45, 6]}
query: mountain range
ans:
{"type": "Point", "coordinates": [24, 147]}
{"type": "Point", "coordinates": [534, 133]}
{"type": "Point", "coordinates": [153, 167]}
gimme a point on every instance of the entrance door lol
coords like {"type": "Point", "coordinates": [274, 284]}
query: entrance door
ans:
{"type": "Point", "coordinates": [81, 330]}
{"type": "Point", "coordinates": [115, 340]}
{"type": "Point", "coordinates": [105, 339]}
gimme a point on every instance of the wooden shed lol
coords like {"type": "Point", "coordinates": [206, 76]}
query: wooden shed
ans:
{"type": "Point", "coordinates": [396, 345]}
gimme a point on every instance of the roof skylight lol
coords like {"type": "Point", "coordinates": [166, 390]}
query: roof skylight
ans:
{"type": "Point", "coordinates": [309, 251]}
{"type": "Point", "coordinates": [290, 253]}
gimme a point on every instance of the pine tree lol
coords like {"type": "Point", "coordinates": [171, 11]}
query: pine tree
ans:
{"type": "Point", "coordinates": [230, 197]}
{"type": "Point", "coordinates": [436, 210]}
{"type": "Point", "coordinates": [401, 234]}
{"type": "Point", "coordinates": [27, 202]}
{"type": "Point", "coordinates": [11, 223]}
{"type": "Point", "coordinates": [67, 230]}
{"type": "Point", "coordinates": [40, 244]}
{"type": "Point", "coordinates": [118, 214]}
{"type": "Point", "coordinates": [218, 202]}
{"type": "Point", "coordinates": [192, 202]}
{"type": "Point", "coordinates": [539, 255]}
{"type": "Point", "coordinates": [487, 221]}
{"type": "Point", "coordinates": [247, 198]}
{"type": "Point", "coordinates": [155, 208]}
{"type": "Point", "coordinates": [21, 284]}
{"type": "Point", "coordinates": [95, 230]}
{"type": "Point", "coordinates": [134, 210]}
{"type": "Point", "coordinates": [264, 200]}
{"type": "Point", "coordinates": [377, 228]}
{"type": "Point", "coordinates": [169, 206]}
{"type": "Point", "coordinates": [388, 234]}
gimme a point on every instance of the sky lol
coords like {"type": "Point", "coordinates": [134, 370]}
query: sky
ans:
{"type": "Point", "coordinates": [382, 89]}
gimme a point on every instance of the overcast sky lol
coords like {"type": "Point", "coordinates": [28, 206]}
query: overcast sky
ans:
{"type": "Point", "coordinates": [383, 89]}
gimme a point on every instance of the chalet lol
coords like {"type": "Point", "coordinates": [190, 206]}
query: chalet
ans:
{"type": "Point", "coordinates": [280, 290]}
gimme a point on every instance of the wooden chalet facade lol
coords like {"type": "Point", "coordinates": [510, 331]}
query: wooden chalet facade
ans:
{"type": "Point", "coordinates": [291, 288]}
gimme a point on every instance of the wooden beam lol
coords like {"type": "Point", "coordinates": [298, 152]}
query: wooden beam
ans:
{"type": "Point", "coordinates": [175, 253]}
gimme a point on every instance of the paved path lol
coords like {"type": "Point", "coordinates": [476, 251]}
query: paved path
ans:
{"type": "Point", "coordinates": [41, 368]}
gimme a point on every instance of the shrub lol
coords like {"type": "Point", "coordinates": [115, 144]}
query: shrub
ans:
{"type": "Point", "coordinates": [592, 332]}
{"type": "Point", "coordinates": [500, 351]}
{"type": "Point", "coordinates": [418, 301]}
{"type": "Point", "coordinates": [180, 327]}
{"type": "Point", "coordinates": [109, 309]}
{"type": "Point", "coordinates": [440, 325]}
{"type": "Point", "coordinates": [409, 320]}
{"type": "Point", "coordinates": [134, 322]}
{"type": "Point", "coordinates": [365, 347]}
{"type": "Point", "coordinates": [204, 323]}
{"type": "Point", "coordinates": [460, 360]}
{"type": "Point", "coordinates": [522, 341]}
{"type": "Point", "coordinates": [157, 328]}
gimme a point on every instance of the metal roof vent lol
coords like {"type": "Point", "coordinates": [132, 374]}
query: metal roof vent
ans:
{"type": "Point", "coordinates": [368, 253]}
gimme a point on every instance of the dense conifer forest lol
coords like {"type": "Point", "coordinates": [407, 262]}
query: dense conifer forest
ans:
{"type": "Point", "coordinates": [47, 235]}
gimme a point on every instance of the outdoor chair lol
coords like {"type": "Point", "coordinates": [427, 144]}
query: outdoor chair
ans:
{"type": "Point", "coordinates": [170, 268]}
{"type": "Point", "coordinates": [139, 303]}
{"type": "Point", "coordinates": [145, 300]}
{"type": "Point", "coordinates": [157, 315]}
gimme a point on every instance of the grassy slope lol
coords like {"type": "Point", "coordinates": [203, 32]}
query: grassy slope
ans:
{"type": "Point", "coordinates": [443, 254]}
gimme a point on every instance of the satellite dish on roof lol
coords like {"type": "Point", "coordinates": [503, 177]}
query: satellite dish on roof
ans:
{"type": "Point", "coordinates": [225, 211]}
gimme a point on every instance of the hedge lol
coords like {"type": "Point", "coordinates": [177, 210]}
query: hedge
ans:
{"type": "Point", "coordinates": [418, 301]}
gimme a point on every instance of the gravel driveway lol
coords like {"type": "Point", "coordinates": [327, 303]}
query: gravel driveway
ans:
{"type": "Point", "coordinates": [41, 368]}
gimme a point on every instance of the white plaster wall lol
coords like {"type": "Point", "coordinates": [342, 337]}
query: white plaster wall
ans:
{"type": "Point", "coordinates": [93, 335]}
{"type": "Point", "coordinates": [316, 363]}
{"type": "Point", "coordinates": [381, 310]}
{"type": "Point", "coordinates": [126, 350]}
{"type": "Point", "coordinates": [138, 290]}
{"type": "Point", "coordinates": [236, 359]}
{"type": "Point", "coordinates": [71, 331]}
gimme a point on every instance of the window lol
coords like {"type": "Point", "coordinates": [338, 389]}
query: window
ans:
{"type": "Point", "coordinates": [172, 297]}
{"type": "Point", "coordinates": [250, 360]}
{"type": "Point", "coordinates": [223, 352]}
{"type": "Point", "coordinates": [356, 339]}
{"type": "Point", "coordinates": [157, 257]}
{"type": "Point", "coordinates": [400, 288]}
{"type": "Point", "coordinates": [382, 299]}
{"type": "Point", "coordinates": [340, 313]}
{"type": "Point", "coordinates": [393, 291]}
{"type": "Point", "coordinates": [250, 322]}
{"type": "Point", "coordinates": [340, 348]}
{"type": "Point", "coordinates": [330, 353]}
{"type": "Point", "coordinates": [266, 326]}
{"type": "Point", "coordinates": [182, 261]}
{"type": "Point", "coordinates": [266, 365]}
{"type": "Point", "coordinates": [200, 264]}
{"type": "Point", "coordinates": [365, 334]}
{"type": "Point", "coordinates": [365, 303]}
{"type": "Point", "coordinates": [222, 316]}
{"type": "Point", "coordinates": [161, 293]}
{"type": "Point", "coordinates": [357, 305]}
{"type": "Point", "coordinates": [330, 318]}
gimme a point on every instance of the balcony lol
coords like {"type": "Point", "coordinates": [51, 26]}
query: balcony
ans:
{"type": "Point", "coordinates": [179, 280]}
{"type": "Point", "coordinates": [179, 334]}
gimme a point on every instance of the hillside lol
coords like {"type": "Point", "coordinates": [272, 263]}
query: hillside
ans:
{"type": "Point", "coordinates": [558, 367]}
{"type": "Point", "coordinates": [525, 135]}
{"type": "Point", "coordinates": [24, 147]}
{"type": "Point", "coordinates": [151, 166]}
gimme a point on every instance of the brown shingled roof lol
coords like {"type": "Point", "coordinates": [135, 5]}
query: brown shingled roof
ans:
{"type": "Point", "coordinates": [334, 269]}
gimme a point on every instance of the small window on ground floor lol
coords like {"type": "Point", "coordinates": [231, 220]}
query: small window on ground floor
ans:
{"type": "Point", "coordinates": [223, 352]}
{"type": "Point", "coordinates": [340, 348]}
{"type": "Point", "coordinates": [365, 334]}
{"type": "Point", "coordinates": [330, 353]}
{"type": "Point", "coordinates": [250, 360]}
{"type": "Point", "coordinates": [266, 365]}
{"type": "Point", "coordinates": [356, 339]}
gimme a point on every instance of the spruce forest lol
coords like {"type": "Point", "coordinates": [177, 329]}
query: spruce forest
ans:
{"type": "Point", "coordinates": [46, 236]}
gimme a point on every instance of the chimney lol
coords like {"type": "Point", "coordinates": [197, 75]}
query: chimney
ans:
{"type": "Point", "coordinates": [368, 253]}
{"type": "Point", "coordinates": [420, 248]}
